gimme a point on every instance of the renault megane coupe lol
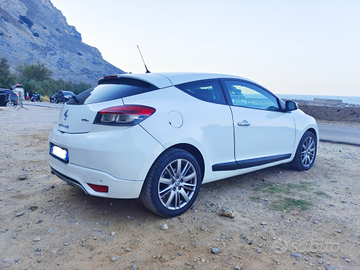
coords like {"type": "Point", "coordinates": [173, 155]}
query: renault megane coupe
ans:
{"type": "Point", "coordinates": [159, 136]}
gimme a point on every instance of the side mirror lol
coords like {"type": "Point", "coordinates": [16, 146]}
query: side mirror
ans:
{"type": "Point", "coordinates": [291, 106]}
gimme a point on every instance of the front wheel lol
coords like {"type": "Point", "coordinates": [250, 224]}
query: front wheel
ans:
{"type": "Point", "coordinates": [305, 153]}
{"type": "Point", "coordinates": [172, 183]}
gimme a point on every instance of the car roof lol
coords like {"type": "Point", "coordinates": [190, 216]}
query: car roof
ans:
{"type": "Point", "coordinates": [166, 79]}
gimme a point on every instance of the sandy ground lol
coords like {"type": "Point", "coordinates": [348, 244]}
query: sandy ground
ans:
{"type": "Point", "coordinates": [46, 224]}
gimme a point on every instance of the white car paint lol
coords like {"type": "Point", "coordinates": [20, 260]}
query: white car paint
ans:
{"type": "Point", "coordinates": [120, 157]}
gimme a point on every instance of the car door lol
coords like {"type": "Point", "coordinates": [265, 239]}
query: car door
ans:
{"type": "Point", "coordinates": [263, 132]}
{"type": "Point", "coordinates": [208, 120]}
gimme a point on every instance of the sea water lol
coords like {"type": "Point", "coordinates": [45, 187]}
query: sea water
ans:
{"type": "Point", "coordinates": [345, 99]}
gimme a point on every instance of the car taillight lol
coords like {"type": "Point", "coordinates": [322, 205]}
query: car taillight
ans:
{"type": "Point", "coordinates": [98, 188]}
{"type": "Point", "coordinates": [110, 77]}
{"type": "Point", "coordinates": [127, 115]}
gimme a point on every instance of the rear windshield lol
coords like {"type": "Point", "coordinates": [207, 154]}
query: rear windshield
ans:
{"type": "Point", "coordinates": [112, 89]}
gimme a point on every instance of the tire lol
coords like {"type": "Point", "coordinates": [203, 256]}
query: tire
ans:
{"type": "Point", "coordinates": [305, 153]}
{"type": "Point", "coordinates": [172, 184]}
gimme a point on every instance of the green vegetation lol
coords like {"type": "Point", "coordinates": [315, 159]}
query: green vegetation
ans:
{"type": "Point", "coordinates": [289, 196]}
{"type": "Point", "coordinates": [36, 78]}
{"type": "Point", "coordinates": [284, 188]}
{"type": "Point", "coordinates": [290, 204]}
{"type": "Point", "coordinates": [255, 199]}
{"type": "Point", "coordinates": [6, 78]}
{"type": "Point", "coordinates": [322, 194]}
{"type": "Point", "coordinates": [33, 72]}
{"type": "Point", "coordinates": [26, 20]}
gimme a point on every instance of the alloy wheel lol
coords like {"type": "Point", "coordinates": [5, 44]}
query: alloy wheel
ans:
{"type": "Point", "coordinates": [308, 152]}
{"type": "Point", "coordinates": [177, 184]}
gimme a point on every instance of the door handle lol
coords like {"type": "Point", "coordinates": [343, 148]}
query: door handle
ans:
{"type": "Point", "coordinates": [244, 123]}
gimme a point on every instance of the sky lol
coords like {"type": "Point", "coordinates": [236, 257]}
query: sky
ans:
{"type": "Point", "coordinates": [308, 47]}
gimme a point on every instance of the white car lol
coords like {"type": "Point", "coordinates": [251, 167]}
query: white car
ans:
{"type": "Point", "coordinates": [159, 136]}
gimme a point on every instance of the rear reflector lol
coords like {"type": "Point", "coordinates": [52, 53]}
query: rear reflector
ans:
{"type": "Point", "coordinates": [99, 188]}
{"type": "Point", "coordinates": [127, 115]}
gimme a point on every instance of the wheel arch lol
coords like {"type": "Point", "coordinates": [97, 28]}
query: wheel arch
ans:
{"type": "Point", "coordinates": [313, 131]}
{"type": "Point", "coordinates": [195, 152]}
{"type": "Point", "coordinates": [297, 163]}
{"type": "Point", "coordinates": [316, 134]}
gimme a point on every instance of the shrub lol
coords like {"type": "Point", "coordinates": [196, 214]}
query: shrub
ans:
{"type": "Point", "coordinates": [37, 78]}
{"type": "Point", "coordinates": [6, 78]}
{"type": "Point", "coordinates": [26, 20]}
{"type": "Point", "coordinates": [4, 18]}
{"type": "Point", "coordinates": [45, 98]}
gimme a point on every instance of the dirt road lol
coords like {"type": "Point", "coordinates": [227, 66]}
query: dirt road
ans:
{"type": "Point", "coordinates": [284, 219]}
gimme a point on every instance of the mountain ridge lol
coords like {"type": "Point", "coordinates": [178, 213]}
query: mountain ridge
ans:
{"type": "Point", "coordinates": [34, 31]}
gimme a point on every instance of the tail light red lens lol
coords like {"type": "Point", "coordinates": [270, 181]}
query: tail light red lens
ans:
{"type": "Point", "coordinates": [110, 77]}
{"type": "Point", "coordinates": [98, 188]}
{"type": "Point", "coordinates": [127, 115]}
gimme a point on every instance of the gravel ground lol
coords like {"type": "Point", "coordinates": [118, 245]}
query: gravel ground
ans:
{"type": "Point", "coordinates": [271, 219]}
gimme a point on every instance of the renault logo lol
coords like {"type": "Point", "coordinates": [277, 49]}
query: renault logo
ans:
{"type": "Point", "coordinates": [66, 114]}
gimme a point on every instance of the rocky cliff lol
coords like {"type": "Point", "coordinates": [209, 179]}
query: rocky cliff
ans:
{"type": "Point", "coordinates": [34, 30]}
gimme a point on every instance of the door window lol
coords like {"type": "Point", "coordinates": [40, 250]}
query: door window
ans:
{"type": "Point", "coordinates": [248, 95]}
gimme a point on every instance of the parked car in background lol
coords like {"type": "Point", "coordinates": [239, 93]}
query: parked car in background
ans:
{"type": "Point", "coordinates": [19, 90]}
{"type": "Point", "coordinates": [160, 136]}
{"type": "Point", "coordinates": [61, 96]}
{"type": "Point", "coordinates": [5, 94]}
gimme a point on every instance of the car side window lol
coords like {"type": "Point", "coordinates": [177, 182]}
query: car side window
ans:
{"type": "Point", "coordinates": [248, 95]}
{"type": "Point", "coordinates": [207, 90]}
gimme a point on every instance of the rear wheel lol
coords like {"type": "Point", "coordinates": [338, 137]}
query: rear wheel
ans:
{"type": "Point", "coordinates": [172, 183]}
{"type": "Point", "coordinates": [306, 153]}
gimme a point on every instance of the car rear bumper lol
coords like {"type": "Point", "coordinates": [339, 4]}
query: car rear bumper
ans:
{"type": "Point", "coordinates": [122, 153]}
{"type": "Point", "coordinates": [68, 180]}
{"type": "Point", "coordinates": [81, 177]}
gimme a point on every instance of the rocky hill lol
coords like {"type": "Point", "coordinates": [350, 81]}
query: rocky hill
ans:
{"type": "Point", "coordinates": [34, 31]}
